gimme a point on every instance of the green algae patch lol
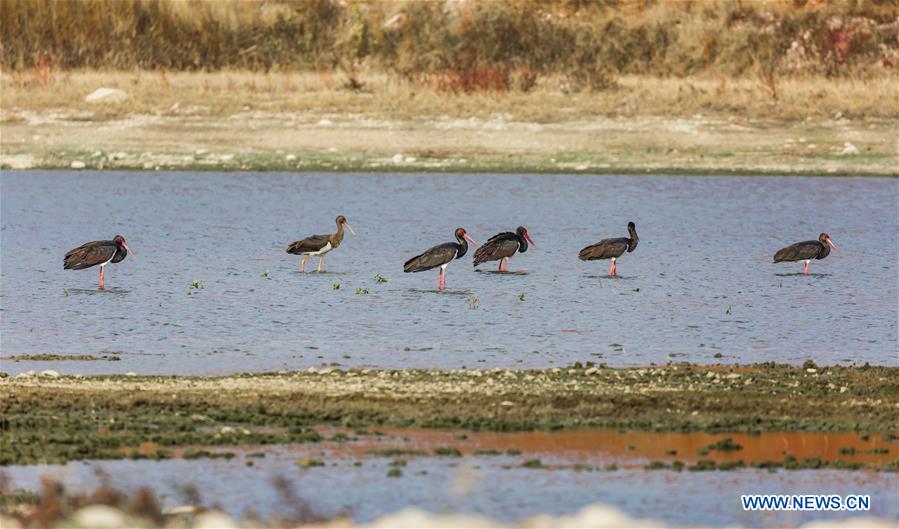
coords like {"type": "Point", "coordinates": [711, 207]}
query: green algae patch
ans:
{"type": "Point", "coordinates": [76, 418]}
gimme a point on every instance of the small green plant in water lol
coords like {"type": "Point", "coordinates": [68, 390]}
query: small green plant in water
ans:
{"type": "Point", "coordinates": [728, 309]}
{"type": "Point", "coordinates": [308, 463]}
{"type": "Point", "coordinates": [473, 301]}
{"type": "Point", "coordinates": [196, 284]}
{"type": "Point", "coordinates": [266, 275]}
{"type": "Point", "coordinates": [361, 290]}
{"type": "Point", "coordinates": [379, 278]}
{"type": "Point", "coordinates": [335, 286]}
{"type": "Point", "coordinates": [521, 297]}
{"type": "Point", "coordinates": [65, 292]}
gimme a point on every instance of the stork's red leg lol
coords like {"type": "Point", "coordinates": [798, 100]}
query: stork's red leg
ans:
{"type": "Point", "coordinates": [805, 270]}
{"type": "Point", "coordinates": [101, 277]}
{"type": "Point", "coordinates": [500, 267]}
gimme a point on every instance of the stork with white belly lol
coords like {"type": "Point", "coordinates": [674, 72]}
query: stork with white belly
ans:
{"type": "Point", "coordinates": [97, 253]}
{"type": "Point", "coordinates": [319, 245]}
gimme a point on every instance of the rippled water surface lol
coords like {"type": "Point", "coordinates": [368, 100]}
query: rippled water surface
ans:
{"type": "Point", "coordinates": [357, 486]}
{"type": "Point", "coordinates": [700, 287]}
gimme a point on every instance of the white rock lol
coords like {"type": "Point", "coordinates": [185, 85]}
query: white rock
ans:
{"type": "Point", "coordinates": [97, 154]}
{"type": "Point", "coordinates": [849, 149]}
{"type": "Point", "coordinates": [324, 122]}
{"type": "Point", "coordinates": [290, 157]}
{"type": "Point", "coordinates": [398, 158]}
{"type": "Point", "coordinates": [106, 94]}
{"type": "Point", "coordinates": [395, 21]}
{"type": "Point", "coordinates": [180, 510]}
{"type": "Point", "coordinates": [592, 516]}
{"type": "Point", "coordinates": [17, 161]}
{"type": "Point", "coordinates": [77, 164]}
{"type": "Point", "coordinates": [119, 156]}
{"type": "Point", "coordinates": [226, 430]}
{"type": "Point", "coordinates": [507, 403]}
{"type": "Point", "coordinates": [201, 152]}
{"type": "Point", "coordinates": [311, 369]}
{"type": "Point", "coordinates": [227, 157]}
{"type": "Point", "coordinates": [130, 374]}
{"type": "Point", "coordinates": [410, 159]}
{"type": "Point", "coordinates": [50, 373]}
{"type": "Point", "coordinates": [214, 520]}
{"type": "Point", "coordinates": [9, 523]}
{"type": "Point", "coordinates": [416, 518]}
{"type": "Point", "coordinates": [26, 374]}
{"type": "Point", "coordinates": [592, 371]}
{"type": "Point", "coordinates": [100, 517]}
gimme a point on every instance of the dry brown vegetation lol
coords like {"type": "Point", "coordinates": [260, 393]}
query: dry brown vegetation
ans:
{"type": "Point", "coordinates": [384, 95]}
{"type": "Point", "coordinates": [630, 86]}
{"type": "Point", "coordinates": [507, 41]}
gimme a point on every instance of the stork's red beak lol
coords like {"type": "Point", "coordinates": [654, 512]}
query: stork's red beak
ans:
{"type": "Point", "coordinates": [129, 250]}
{"type": "Point", "coordinates": [832, 245]}
{"type": "Point", "coordinates": [470, 240]}
{"type": "Point", "coordinates": [528, 237]}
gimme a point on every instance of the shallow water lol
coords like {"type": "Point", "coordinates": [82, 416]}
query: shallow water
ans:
{"type": "Point", "coordinates": [354, 482]}
{"type": "Point", "coordinates": [700, 283]}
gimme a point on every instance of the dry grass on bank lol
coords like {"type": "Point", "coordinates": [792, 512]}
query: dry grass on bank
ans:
{"type": "Point", "coordinates": [227, 92]}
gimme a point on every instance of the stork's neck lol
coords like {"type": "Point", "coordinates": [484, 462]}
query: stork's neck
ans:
{"type": "Point", "coordinates": [463, 247]}
{"type": "Point", "coordinates": [522, 243]}
{"type": "Point", "coordinates": [632, 243]}
{"type": "Point", "coordinates": [339, 234]}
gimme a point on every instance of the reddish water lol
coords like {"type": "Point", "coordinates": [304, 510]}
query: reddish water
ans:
{"type": "Point", "coordinates": [589, 444]}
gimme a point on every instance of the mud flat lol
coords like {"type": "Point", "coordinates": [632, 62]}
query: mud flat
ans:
{"type": "Point", "coordinates": [279, 141]}
{"type": "Point", "coordinates": [53, 419]}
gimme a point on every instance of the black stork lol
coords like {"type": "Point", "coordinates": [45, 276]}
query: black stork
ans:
{"type": "Point", "coordinates": [612, 248]}
{"type": "Point", "coordinates": [440, 256]}
{"type": "Point", "coordinates": [97, 253]}
{"type": "Point", "coordinates": [806, 251]}
{"type": "Point", "coordinates": [502, 246]}
{"type": "Point", "coordinates": [319, 244]}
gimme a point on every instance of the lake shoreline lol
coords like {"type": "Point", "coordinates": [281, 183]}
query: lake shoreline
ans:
{"type": "Point", "coordinates": [56, 418]}
{"type": "Point", "coordinates": [323, 141]}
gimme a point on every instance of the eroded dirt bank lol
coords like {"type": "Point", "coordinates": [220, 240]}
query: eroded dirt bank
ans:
{"type": "Point", "coordinates": [54, 419]}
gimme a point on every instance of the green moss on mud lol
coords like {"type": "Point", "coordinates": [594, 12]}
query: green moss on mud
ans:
{"type": "Point", "coordinates": [67, 418]}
